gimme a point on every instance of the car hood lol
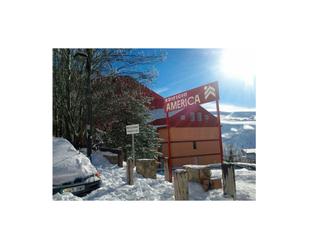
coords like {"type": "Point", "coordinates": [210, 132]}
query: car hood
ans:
{"type": "Point", "coordinates": [68, 163]}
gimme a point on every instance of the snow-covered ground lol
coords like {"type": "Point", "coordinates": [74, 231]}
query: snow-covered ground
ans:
{"type": "Point", "coordinates": [245, 187]}
{"type": "Point", "coordinates": [114, 186]}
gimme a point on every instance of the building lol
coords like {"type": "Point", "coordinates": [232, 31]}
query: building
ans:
{"type": "Point", "coordinates": [249, 155]}
{"type": "Point", "coordinates": [194, 134]}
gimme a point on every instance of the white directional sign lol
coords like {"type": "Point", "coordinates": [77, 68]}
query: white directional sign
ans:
{"type": "Point", "coordinates": [132, 129]}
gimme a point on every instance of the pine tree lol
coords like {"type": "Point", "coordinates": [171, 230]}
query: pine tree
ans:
{"type": "Point", "coordinates": [122, 102]}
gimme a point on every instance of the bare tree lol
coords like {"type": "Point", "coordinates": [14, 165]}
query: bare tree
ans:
{"type": "Point", "coordinates": [70, 88]}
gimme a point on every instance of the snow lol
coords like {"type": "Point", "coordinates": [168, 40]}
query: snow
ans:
{"type": "Point", "coordinates": [99, 161]}
{"type": "Point", "coordinates": [245, 187]}
{"type": "Point", "coordinates": [226, 135]}
{"type": "Point", "coordinates": [68, 163]}
{"type": "Point", "coordinates": [108, 153]}
{"type": "Point", "coordinates": [239, 118]}
{"type": "Point", "coordinates": [66, 197]}
{"type": "Point", "coordinates": [243, 138]}
{"type": "Point", "coordinates": [194, 166]}
{"type": "Point", "coordinates": [249, 151]}
{"type": "Point", "coordinates": [238, 122]}
{"type": "Point", "coordinates": [238, 129]}
{"type": "Point", "coordinates": [114, 186]}
{"type": "Point", "coordinates": [248, 127]}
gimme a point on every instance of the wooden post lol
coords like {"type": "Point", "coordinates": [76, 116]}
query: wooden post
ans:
{"type": "Point", "coordinates": [181, 185]}
{"type": "Point", "coordinates": [147, 168]}
{"type": "Point", "coordinates": [120, 158]}
{"type": "Point", "coordinates": [166, 169]}
{"type": "Point", "coordinates": [130, 167]}
{"type": "Point", "coordinates": [228, 177]}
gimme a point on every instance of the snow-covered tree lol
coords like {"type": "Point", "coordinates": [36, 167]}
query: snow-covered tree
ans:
{"type": "Point", "coordinates": [113, 106]}
{"type": "Point", "coordinates": [121, 101]}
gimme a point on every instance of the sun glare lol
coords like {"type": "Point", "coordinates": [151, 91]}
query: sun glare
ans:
{"type": "Point", "coordinates": [239, 64]}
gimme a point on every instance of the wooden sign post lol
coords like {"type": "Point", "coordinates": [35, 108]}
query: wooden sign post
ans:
{"type": "Point", "coordinates": [130, 168]}
{"type": "Point", "coordinates": [132, 129]}
{"type": "Point", "coordinates": [181, 185]}
{"type": "Point", "coordinates": [228, 176]}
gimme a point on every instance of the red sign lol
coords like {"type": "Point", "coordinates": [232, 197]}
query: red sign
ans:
{"type": "Point", "coordinates": [195, 96]}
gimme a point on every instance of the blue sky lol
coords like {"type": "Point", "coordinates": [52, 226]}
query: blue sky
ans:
{"type": "Point", "coordinates": [184, 69]}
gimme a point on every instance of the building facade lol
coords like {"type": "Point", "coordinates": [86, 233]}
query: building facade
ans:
{"type": "Point", "coordinates": [194, 135]}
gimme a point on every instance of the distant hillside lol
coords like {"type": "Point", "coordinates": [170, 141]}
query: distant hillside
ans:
{"type": "Point", "coordinates": [239, 129]}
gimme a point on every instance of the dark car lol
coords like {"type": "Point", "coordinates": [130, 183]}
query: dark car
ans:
{"type": "Point", "coordinates": [72, 170]}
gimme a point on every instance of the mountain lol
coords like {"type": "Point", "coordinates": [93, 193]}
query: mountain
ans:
{"type": "Point", "coordinates": [239, 129]}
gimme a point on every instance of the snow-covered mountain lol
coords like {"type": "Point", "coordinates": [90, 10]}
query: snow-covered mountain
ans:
{"type": "Point", "coordinates": [239, 129]}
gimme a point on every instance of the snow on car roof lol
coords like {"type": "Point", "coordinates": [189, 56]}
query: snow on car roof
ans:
{"type": "Point", "coordinates": [68, 163]}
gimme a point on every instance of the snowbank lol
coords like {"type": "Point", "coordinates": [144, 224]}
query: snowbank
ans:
{"type": "Point", "coordinates": [66, 197]}
{"type": "Point", "coordinates": [68, 163]}
{"type": "Point", "coordinates": [245, 187]}
{"type": "Point", "coordinates": [114, 186]}
{"type": "Point", "coordinates": [99, 161]}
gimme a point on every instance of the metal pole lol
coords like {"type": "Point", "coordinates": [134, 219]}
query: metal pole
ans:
{"type": "Point", "coordinates": [219, 124]}
{"type": "Point", "coordinates": [170, 167]}
{"type": "Point", "coordinates": [133, 150]}
{"type": "Point", "coordinates": [89, 105]}
{"type": "Point", "coordinates": [89, 124]}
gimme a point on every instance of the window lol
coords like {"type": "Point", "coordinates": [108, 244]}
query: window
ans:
{"type": "Point", "coordinates": [206, 117]}
{"type": "Point", "coordinates": [183, 117]}
{"type": "Point", "coordinates": [199, 116]}
{"type": "Point", "coordinates": [194, 145]}
{"type": "Point", "coordinates": [192, 116]}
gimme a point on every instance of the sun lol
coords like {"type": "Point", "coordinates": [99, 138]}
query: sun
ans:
{"type": "Point", "coordinates": [239, 64]}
